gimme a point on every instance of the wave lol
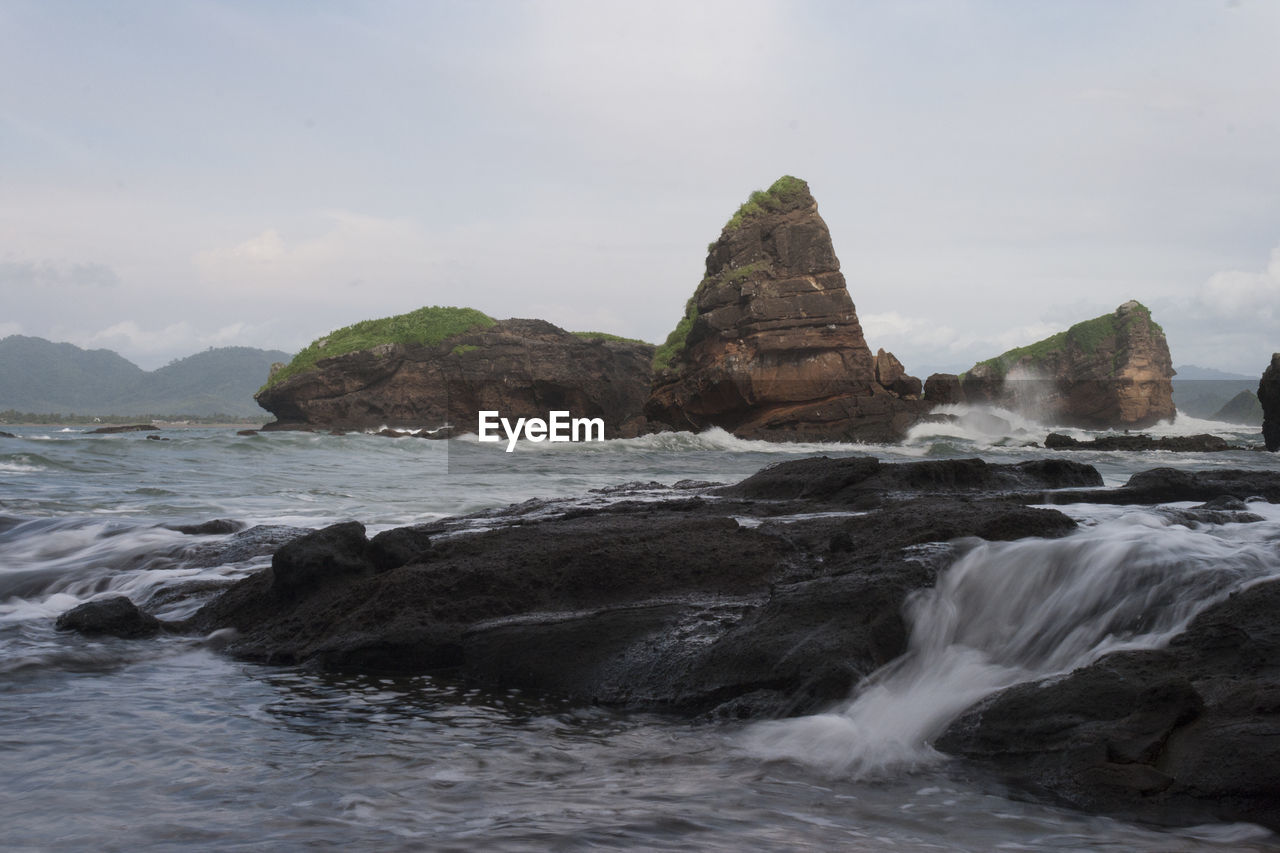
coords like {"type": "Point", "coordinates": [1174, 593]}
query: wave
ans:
{"type": "Point", "coordinates": [1007, 613]}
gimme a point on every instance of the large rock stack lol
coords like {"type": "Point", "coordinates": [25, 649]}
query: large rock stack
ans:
{"type": "Point", "coordinates": [1113, 371]}
{"type": "Point", "coordinates": [770, 346]}
{"type": "Point", "coordinates": [520, 368]}
{"type": "Point", "coordinates": [1269, 397]}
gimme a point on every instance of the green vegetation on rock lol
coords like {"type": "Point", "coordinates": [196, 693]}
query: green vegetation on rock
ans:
{"type": "Point", "coordinates": [782, 192]}
{"type": "Point", "coordinates": [426, 326]}
{"type": "Point", "coordinates": [605, 336]}
{"type": "Point", "coordinates": [674, 345]}
{"type": "Point", "coordinates": [1086, 337]}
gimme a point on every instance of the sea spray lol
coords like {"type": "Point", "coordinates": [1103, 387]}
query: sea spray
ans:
{"type": "Point", "coordinates": [1005, 613]}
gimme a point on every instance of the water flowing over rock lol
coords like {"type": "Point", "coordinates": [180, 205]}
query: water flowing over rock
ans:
{"type": "Point", "coordinates": [1269, 397]}
{"type": "Point", "coordinates": [1110, 372]}
{"type": "Point", "coordinates": [770, 346]}
{"type": "Point", "coordinates": [520, 368]}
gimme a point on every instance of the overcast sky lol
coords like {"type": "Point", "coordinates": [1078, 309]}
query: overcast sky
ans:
{"type": "Point", "coordinates": [180, 175]}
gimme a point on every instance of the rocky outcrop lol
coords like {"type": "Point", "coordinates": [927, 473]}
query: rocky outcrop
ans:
{"type": "Point", "coordinates": [770, 346]}
{"type": "Point", "coordinates": [1181, 735]}
{"type": "Point", "coordinates": [1202, 443]}
{"type": "Point", "coordinates": [1269, 397]}
{"type": "Point", "coordinates": [520, 368]}
{"type": "Point", "coordinates": [1110, 372]}
{"type": "Point", "coordinates": [113, 430]}
{"type": "Point", "coordinates": [776, 596]}
{"type": "Point", "coordinates": [693, 603]}
{"type": "Point", "coordinates": [113, 616]}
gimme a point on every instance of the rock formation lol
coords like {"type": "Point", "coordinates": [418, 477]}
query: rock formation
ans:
{"type": "Point", "coordinates": [770, 346]}
{"type": "Point", "coordinates": [1110, 372]}
{"type": "Point", "coordinates": [1180, 735]}
{"type": "Point", "coordinates": [521, 368]}
{"type": "Point", "coordinates": [1269, 397]}
{"type": "Point", "coordinates": [776, 595]}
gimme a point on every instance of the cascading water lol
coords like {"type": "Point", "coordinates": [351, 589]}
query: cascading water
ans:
{"type": "Point", "coordinates": [1005, 613]}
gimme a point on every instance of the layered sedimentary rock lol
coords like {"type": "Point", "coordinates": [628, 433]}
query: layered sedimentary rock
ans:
{"type": "Point", "coordinates": [1269, 397]}
{"type": "Point", "coordinates": [520, 368]}
{"type": "Point", "coordinates": [770, 345]}
{"type": "Point", "coordinates": [1110, 372]}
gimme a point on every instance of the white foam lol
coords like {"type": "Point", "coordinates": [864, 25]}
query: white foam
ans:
{"type": "Point", "coordinates": [1011, 612]}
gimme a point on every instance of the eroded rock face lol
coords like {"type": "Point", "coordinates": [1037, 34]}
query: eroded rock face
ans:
{"type": "Point", "coordinates": [1269, 397]}
{"type": "Point", "coordinates": [773, 348]}
{"type": "Point", "coordinates": [521, 368]}
{"type": "Point", "coordinates": [1110, 372]}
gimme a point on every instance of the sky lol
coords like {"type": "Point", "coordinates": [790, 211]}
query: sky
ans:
{"type": "Point", "coordinates": [180, 175]}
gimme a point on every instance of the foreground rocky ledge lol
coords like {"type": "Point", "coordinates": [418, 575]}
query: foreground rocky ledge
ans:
{"type": "Point", "coordinates": [774, 597]}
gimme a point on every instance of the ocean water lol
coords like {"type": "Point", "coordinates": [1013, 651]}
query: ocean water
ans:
{"type": "Point", "coordinates": [167, 744]}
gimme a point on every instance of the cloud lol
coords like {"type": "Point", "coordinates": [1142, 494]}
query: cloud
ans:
{"type": "Point", "coordinates": [1250, 298]}
{"type": "Point", "coordinates": [925, 340]}
{"type": "Point", "coordinates": [56, 275]}
{"type": "Point", "coordinates": [373, 251]}
{"type": "Point", "coordinates": [173, 340]}
{"type": "Point", "coordinates": [7, 329]}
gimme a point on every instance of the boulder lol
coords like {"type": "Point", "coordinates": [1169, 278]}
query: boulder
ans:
{"type": "Point", "coordinates": [114, 616]}
{"type": "Point", "coordinates": [942, 389]}
{"type": "Point", "coordinates": [893, 376]}
{"type": "Point", "coordinates": [1110, 372]}
{"type": "Point", "coordinates": [770, 346]}
{"type": "Point", "coordinates": [1269, 397]}
{"type": "Point", "coordinates": [520, 368]}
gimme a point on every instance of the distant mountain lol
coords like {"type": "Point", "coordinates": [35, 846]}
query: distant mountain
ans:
{"type": "Point", "coordinates": [1191, 371]}
{"type": "Point", "coordinates": [1243, 408]}
{"type": "Point", "coordinates": [43, 377]}
{"type": "Point", "coordinates": [1202, 392]}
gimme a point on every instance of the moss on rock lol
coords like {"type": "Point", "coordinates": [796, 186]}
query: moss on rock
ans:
{"type": "Point", "coordinates": [425, 326]}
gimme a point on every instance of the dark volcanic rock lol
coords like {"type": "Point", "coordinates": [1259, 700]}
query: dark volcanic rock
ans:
{"type": "Point", "coordinates": [1167, 485]}
{"type": "Point", "coordinates": [770, 346]}
{"type": "Point", "coordinates": [1188, 734]}
{"type": "Point", "coordinates": [671, 605]}
{"type": "Point", "coordinates": [1110, 372]}
{"type": "Point", "coordinates": [1269, 397]}
{"type": "Point", "coordinates": [852, 479]}
{"type": "Point", "coordinates": [217, 526]}
{"type": "Point", "coordinates": [112, 430]}
{"type": "Point", "coordinates": [521, 368]}
{"type": "Point", "coordinates": [115, 616]}
{"type": "Point", "coordinates": [1203, 443]}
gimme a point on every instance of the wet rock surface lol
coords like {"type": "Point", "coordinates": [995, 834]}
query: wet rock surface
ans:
{"type": "Point", "coordinates": [1183, 735]}
{"type": "Point", "coordinates": [115, 616]}
{"type": "Point", "coordinates": [775, 596]}
{"type": "Point", "coordinates": [1203, 443]}
{"type": "Point", "coordinates": [783, 586]}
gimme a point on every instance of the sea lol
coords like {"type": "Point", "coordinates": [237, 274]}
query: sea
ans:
{"type": "Point", "coordinates": [169, 744]}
